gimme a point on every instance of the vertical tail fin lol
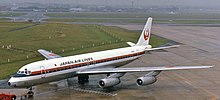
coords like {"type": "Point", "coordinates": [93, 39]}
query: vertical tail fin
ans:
{"type": "Point", "coordinates": [145, 35]}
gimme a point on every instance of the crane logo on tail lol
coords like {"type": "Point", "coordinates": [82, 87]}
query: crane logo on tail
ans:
{"type": "Point", "coordinates": [146, 34]}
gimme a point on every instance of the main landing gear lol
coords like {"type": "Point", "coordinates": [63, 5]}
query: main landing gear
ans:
{"type": "Point", "coordinates": [83, 79]}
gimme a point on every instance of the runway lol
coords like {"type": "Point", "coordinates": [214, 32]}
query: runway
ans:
{"type": "Point", "coordinates": [199, 46]}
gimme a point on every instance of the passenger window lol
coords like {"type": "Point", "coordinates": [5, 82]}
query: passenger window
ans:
{"type": "Point", "coordinates": [29, 72]}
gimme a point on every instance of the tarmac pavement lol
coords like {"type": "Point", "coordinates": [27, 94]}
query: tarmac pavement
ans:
{"type": "Point", "coordinates": [199, 46]}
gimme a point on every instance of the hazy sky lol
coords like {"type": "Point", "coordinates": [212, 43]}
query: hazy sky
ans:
{"type": "Point", "coordinates": [204, 3]}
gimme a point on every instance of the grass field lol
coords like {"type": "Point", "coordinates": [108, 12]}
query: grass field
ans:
{"type": "Point", "coordinates": [5, 19]}
{"type": "Point", "coordinates": [96, 15]}
{"type": "Point", "coordinates": [185, 21]}
{"type": "Point", "coordinates": [10, 14]}
{"type": "Point", "coordinates": [19, 42]}
{"type": "Point", "coordinates": [179, 15]}
{"type": "Point", "coordinates": [122, 17]}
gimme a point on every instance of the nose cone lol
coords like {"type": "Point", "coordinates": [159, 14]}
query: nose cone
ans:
{"type": "Point", "coordinates": [11, 82]}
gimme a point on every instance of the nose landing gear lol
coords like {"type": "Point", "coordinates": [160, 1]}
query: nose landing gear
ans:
{"type": "Point", "coordinates": [30, 93]}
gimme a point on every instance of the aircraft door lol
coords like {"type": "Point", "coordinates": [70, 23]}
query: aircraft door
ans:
{"type": "Point", "coordinates": [43, 71]}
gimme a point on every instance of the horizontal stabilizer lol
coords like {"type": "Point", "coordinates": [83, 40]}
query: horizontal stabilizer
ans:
{"type": "Point", "coordinates": [159, 48]}
{"type": "Point", "coordinates": [48, 55]}
{"type": "Point", "coordinates": [131, 44]}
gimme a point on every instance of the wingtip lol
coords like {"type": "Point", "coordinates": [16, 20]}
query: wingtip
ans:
{"type": "Point", "coordinates": [175, 46]}
{"type": "Point", "coordinates": [211, 66]}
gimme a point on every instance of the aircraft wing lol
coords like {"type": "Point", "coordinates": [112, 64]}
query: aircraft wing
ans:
{"type": "Point", "coordinates": [159, 48]}
{"type": "Point", "coordinates": [48, 55]}
{"type": "Point", "coordinates": [137, 69]}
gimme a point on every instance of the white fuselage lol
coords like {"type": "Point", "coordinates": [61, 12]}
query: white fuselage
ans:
{"type": "Point", "coordinates": [56, 69]}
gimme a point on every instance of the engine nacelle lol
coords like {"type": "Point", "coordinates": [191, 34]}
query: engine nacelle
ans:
{"type": "Point", "coordinates": [109, 82]}
{"type": "Point", "coordinates": [146, 80]}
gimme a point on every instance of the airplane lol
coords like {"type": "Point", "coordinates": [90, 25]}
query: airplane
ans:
{"type": "Point", "coordinates": [107, 62]}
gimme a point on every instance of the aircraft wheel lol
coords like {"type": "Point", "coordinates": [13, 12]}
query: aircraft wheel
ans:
{"type": "Point", "coordinates": [86, 78]}
{"type": "Point", "coordinates": [30, 94]}
{"type": "Point", "coordinates": [83, 79]}
{"type": "Point", "coordinates": [13, 97]}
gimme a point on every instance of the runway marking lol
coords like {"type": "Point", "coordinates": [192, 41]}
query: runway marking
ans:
{"type": "Point", "coordinates": [93, 91]}
{"type": "Point", "coordinates": [214, 97]}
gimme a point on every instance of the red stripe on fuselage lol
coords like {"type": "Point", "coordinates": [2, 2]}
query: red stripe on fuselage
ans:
{"type": "Point", "coordinates": [87, 63]}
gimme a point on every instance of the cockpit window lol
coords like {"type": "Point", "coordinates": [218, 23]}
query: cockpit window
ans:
{"type": "Point", "coordinates": [22, 73]}
{"type": "Point", "coordinates": [25, 71]}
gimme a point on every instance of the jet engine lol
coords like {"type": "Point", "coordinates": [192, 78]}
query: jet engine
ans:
{"type": "Point", "coordinates": [146, 80]}
{"type": "Point", "coordinates": [109, 82]}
